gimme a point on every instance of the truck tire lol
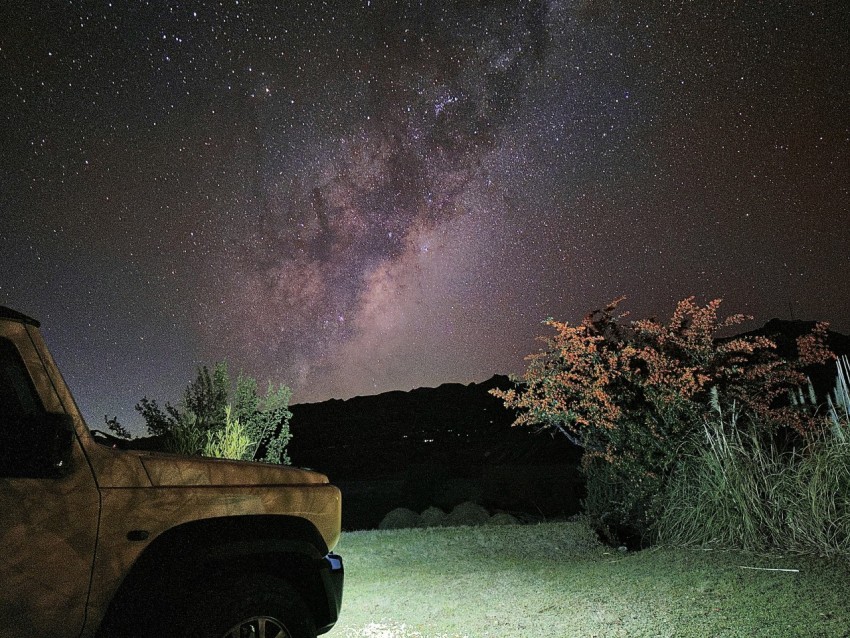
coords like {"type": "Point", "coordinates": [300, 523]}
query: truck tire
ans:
{"type": "Point", "coordinates": [249, 607]}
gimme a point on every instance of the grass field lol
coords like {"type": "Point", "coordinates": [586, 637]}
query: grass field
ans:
{"type": "Point", "coordinates": [554, 580]}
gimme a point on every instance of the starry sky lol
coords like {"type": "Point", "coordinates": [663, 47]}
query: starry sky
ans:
{"type": "Point", "coordinates": [358, 196]}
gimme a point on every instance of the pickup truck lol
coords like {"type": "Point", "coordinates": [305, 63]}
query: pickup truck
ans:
{"type": "Point", "coordinates": [100, 541]}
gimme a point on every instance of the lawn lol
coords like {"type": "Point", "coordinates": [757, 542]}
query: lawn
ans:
{"type": "Point", "coordinates": [554, 580]}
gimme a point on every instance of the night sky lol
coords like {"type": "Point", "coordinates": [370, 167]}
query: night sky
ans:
{"type": "Point", "coordinates": [354, 197]}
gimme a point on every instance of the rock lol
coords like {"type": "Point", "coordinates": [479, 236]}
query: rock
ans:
{"type": "Point", "coordinates": [433, 517]}
{"type": "Point", "coordinates": [468, 513]}
{"type": "Point", "coordinates": [400, 518]}
{"type": "Point", "coordinates": [503, 518]}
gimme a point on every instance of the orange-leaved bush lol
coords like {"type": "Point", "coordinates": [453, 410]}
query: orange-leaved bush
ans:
{"type": "Point", "coordinates": [634, 394]}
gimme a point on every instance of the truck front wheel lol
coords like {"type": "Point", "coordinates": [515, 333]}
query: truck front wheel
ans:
{"type": "Point", "coordinates": [249, 607]}
{"type": "Point", "coordinates": [260, 626]}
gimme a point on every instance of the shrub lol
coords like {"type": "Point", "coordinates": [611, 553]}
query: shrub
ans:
{"type": "Point", "coordinates": [503, 518]}
{"type": "Point", "coordinates": [632, 395]}
{"type": "Point", "coordinates": [467, 513]}
{"type": "Point", "coordinates": [254, 427]}
{"type": "Point", "coordinates": [229, 442]}
{"type": "Point", "coordinates": [265, 420]}
{"type": "Point", "coordinates": [432, 517]}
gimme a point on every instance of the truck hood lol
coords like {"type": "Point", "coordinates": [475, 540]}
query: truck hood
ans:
{"type": "Point", "coordinates": [166, 470]}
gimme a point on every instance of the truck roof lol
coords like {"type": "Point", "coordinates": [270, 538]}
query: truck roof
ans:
{"type": "Point", "coordinates": [8, 313]}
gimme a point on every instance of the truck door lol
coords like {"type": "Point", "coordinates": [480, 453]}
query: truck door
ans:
{"type": "Point", "coordinates": [48, 514]}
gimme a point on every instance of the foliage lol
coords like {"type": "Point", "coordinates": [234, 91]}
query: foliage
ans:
{"type": "Point", "coordinates": [266, 419]}
{"type": "Point", "coordinates": [632, 395]}
{"type": "Point", "coordinates": [185, 437]}
{"type": "Point", "coordinates": [741, 489]}
{"type": "Point", "coordinates": [230, 442]}
{"type": "Point", "coordinates": [158, 421]}
{"type": "Point", "coordinates": [204, 401]}
{"type": "Point", "coordinates": [116, 428]}
{"type": "Point", "coordinates": [205, 423]}
{"type": "Point", "coordinates": [206, 397]}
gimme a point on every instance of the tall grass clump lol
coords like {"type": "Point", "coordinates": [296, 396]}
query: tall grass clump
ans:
{"type": "Point", "coordinates": [739, 488]}
{"type": "Point", "coordinates": [839, 402]}
{"type": "Point", "coordinates": [186, 437]}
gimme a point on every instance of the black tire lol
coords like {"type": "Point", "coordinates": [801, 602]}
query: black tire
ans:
{"type": "Point", "coordinates": [256, 606]}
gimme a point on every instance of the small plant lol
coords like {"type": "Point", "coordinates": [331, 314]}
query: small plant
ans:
{"type": "Point", "coordinates": [185, 437]}
{"type": "Point", "coordinates": [229, 442]}
{"type": "Point", "coordinates": [116, 428]}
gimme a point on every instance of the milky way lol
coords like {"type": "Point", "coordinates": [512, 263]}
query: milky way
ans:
{"type": "Point", "coordinates": [363, 196]}
{"type": "Point", "coordinates": [332, 238]}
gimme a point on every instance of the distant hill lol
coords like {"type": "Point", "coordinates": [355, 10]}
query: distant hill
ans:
{"type": "Point", "coordinates": [455, 425]}
{"type": "Point", "coordinates": [435, 447]}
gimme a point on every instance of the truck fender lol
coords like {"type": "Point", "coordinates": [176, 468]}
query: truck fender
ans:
{"type": "Point", "coordinates": [193, 555]}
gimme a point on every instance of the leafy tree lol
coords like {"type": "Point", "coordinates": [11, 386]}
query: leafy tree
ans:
{"type": "Point", "coordinates": [633, 395]}
{"type": "Point", "coordinates": [206, 397]}
{"type": "Point", "coordinates": [158, 421]}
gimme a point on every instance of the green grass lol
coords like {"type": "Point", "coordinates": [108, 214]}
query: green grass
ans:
{"type": "Point", "coordinates": [554, 580]}
{"type": "Point", "coordinates": [739, 490]}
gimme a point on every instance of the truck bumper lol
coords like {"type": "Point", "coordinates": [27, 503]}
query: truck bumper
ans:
{"type": "Point", "coordinates": [333, 576]}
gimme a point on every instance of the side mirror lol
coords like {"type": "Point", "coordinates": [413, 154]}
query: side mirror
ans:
{"type": "Point", "coordinates": [37, 446]}
{"type": "Point", "coordinates": [59, 430]}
